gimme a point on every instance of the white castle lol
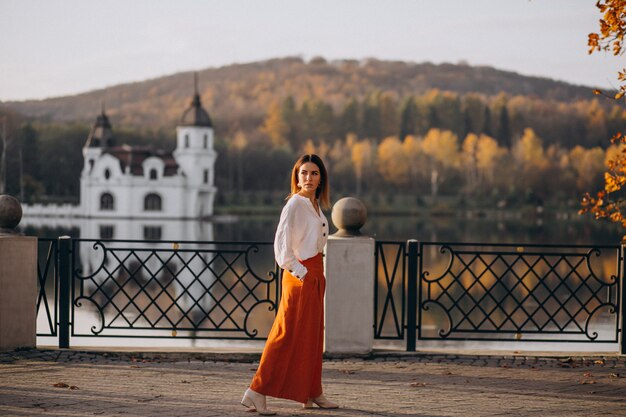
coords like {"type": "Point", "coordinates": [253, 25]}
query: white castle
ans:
{"type": "Point", "coordinates": [139, 182]}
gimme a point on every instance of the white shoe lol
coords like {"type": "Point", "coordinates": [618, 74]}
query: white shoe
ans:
{"type": "Point", "coordinates": [253, 399]}
{"type": "Point", "coordinates": [321, 402]}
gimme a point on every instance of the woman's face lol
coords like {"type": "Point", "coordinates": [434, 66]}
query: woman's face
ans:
{"type": "Point", "coordinates": [309, 178]}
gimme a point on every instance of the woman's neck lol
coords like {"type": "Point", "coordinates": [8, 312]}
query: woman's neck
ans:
{"type": "Point", "coordinates": [311, 197]}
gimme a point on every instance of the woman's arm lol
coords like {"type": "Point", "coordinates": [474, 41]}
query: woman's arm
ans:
{"type": "Point", "coordinates": [285, 241]}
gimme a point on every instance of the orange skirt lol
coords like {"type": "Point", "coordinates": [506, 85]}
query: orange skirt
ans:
{"type": "Point", "coordinates": [291, 364]}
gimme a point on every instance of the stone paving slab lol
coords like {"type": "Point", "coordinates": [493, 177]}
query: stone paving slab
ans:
{"type": "Point", "coordinates": [382, 384]}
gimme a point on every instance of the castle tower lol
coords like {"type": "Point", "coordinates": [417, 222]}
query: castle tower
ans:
{"type": "Point", "coordinates": [196, 157]}
{"type": "Point", "coordinates": [100, 138]}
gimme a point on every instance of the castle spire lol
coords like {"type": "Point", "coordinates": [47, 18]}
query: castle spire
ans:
{"type": "Point", "coordinates": [195, 115]}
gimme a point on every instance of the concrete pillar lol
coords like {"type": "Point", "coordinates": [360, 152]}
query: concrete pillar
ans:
{"type": "Point", "coordinates": [18, 280]}
{"type": "Point", "coordinates": [349, 270]}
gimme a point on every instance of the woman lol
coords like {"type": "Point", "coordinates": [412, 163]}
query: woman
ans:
{"type": "Point", "coordinates": [291, 364]}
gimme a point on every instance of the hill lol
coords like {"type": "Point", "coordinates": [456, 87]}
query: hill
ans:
{"type": "Point", "coordinates": [237, 96]}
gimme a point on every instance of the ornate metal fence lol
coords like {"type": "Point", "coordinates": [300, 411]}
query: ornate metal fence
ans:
{"type": "Point", "coordinates": [157, 289]}
{"type": "Point", "coordinates": [48, 288]}
{"type": "Point", "coordinates": [498, 292]}
{"type": "Point", "coordinates": [423, 291]}
{"type": "Point", "coordinates": [389, 290]}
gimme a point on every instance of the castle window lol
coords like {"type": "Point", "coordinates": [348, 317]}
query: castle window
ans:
{"type": "Point", "coordinates": [107, 174]}
{"type": "Point", "coordinates": [206, 141]}
{"type": "Point", "coordinates": [152, 232]}
{"type": "Point", "coordinates": [153, 174]}
{"type": "Point", "coordinates": [186, 141]}
{"type": "Point", "coordinates": [152, 202]}
{"type": "Point", "coordinates": [107, 231]}
{"type": "Point", "coordinates": [206, 176]}
{"type": "Point", "coordinates": [107, 202]}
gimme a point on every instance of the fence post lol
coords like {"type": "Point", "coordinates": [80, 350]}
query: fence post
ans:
{"type": "Point", "coordinates": [622, 267]}
{"type": "Point", "coordinates": [18, 280]}
{"type": "Point", "coordinates": [65, 280]}
{"type": "Point", "coordinates": [349, 270]}
{"type": "Point", "coordinates": [411, 315]}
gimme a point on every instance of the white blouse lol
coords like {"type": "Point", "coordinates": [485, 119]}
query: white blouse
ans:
{"type": "Point", "coordinates": [301, 234]}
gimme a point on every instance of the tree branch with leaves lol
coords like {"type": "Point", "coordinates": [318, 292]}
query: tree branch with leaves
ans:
{"type": "Point", "coordinates": [609, 203]}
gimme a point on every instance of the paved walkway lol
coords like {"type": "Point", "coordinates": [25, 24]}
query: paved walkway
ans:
{"type": "Point", "coordinates": [75, 383]}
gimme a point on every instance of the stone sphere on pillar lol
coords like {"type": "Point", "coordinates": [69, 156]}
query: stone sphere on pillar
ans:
{"type": "Point", "coordinates": [10, 213]}
{"type": "Point", "coordinates": [349, 215]}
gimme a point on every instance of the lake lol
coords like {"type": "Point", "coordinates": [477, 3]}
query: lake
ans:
{"type": "Point", "coordinates": [507, 227]}
{"type": "Point", "coordinates": [502, 227]}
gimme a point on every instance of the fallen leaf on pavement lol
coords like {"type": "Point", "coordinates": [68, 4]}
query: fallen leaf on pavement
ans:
{"type": "Point", "coordinates": [61, 385]}
{"type": "Point", "coordinates": [585, 382]}
{"type": "Point", "coordinates": [587, 374]}
{"type": "Point", "coordinates": [417, 384]}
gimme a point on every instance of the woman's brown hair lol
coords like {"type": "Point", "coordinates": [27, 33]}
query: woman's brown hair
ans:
{"type": "Point", "coordinates": [322, 192]}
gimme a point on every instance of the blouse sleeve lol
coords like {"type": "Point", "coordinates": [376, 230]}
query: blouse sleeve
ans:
{"type": "Point", "coordinates": [285, 241]}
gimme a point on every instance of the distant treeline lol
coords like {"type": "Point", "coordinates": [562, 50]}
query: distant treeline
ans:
{"type": "Point", "coordinates": [382, 114]}
{"type": "Point", "coordinates": [44, 163]}
{"type": "Point", "coordinates": [381, 127]}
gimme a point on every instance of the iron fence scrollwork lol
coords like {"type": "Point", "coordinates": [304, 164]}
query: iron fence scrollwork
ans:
{"type": "Point", "coordinates": [159, 289]}
{"type": "Point", "coordinates": [499, 292]}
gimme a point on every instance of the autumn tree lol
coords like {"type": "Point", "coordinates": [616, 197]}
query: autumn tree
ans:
{"type": "Point", "coordinates": [442, 147]}
{"type": "Point", "coordinates": [392, 163]}
{"type": "Point", "coordinates": [588, 165]}
{"type": "Point", "coordinates": [275, 126]}
{"type": "Point", "coordinates": [488, 156]}
{"type": "Point", "coordinates": [361, 155]}
{"type": "Point", "coordinates": [530, 158]}
{"type": "Point", "coordinates": [469, 150]}
{"type": "Point", "coordinates": [417, 160]}
{"type": "Point", "coordinates": [609, 202]}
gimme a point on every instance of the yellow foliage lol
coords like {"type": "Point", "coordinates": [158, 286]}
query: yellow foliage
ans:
{"type": "Point", "coordinates": [442, 146]}
{"type": "Point", "coordinates": [488, 152]}
{"type": "Point", "coordinates": [392, 162]}
{"type": "Point", "coordinates": [587, 164]}
{"type": "Point", "coordinates": [275, 126]}
{"type": "Point", "coordinates": [361, 154]}
{"type": "Point", "coordinates": [528, 151]}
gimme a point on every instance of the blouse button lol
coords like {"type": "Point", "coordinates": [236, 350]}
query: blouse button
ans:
{"type": "Point", "coordinates": [324, 224]}
{"type": "Point", "coordinates": [324, 234]}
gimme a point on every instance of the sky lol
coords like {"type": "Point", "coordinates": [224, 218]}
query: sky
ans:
{"type": "Point", "coordinates": [64, 47]}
